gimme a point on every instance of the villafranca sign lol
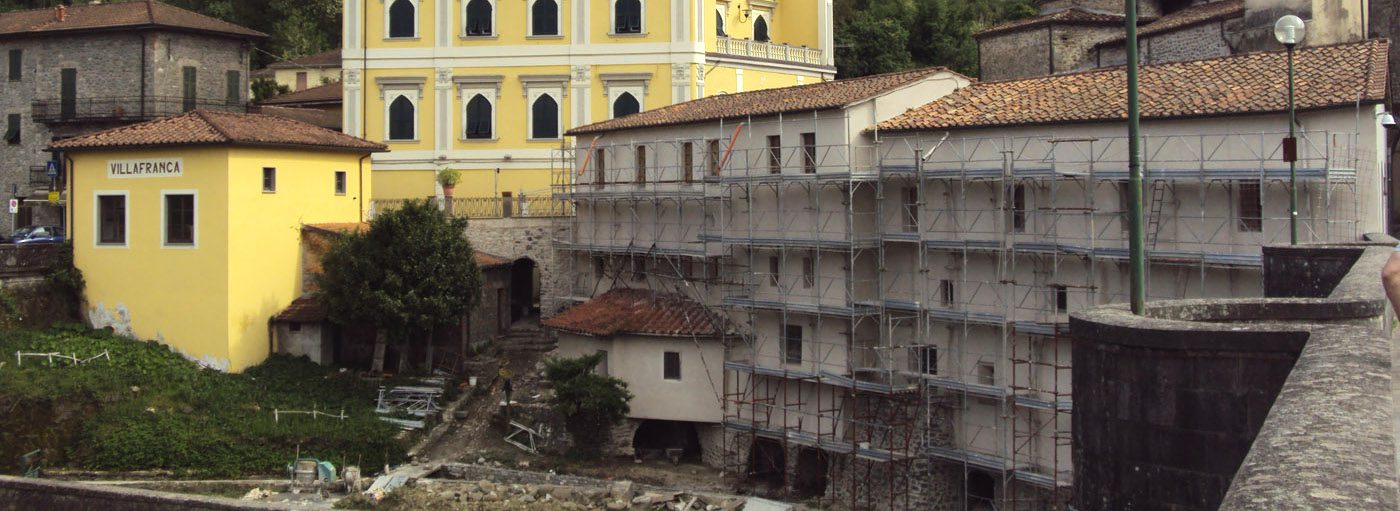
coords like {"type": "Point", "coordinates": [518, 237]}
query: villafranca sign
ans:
{"type": "Point", "coordinates": [127, 169]}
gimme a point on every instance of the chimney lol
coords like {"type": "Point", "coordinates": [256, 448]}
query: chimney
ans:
{"type": "Point", "coordinates": [62, 13]}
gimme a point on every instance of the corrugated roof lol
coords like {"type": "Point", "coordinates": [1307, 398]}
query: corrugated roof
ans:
{"type": "Point", "coordinates": [1071, 16]}
{"type": "Point", "coordinates": [1329, 76]}
{"type": "Point", "coordinates": [126, 15]}
{"type": "Point", "coordinates": [319, 95]}
{"type": "Point", "coordinates": [817, 96]}
{"type": "Point", "coordinates": [636, 311]}
{"type": "Point", "coordinates": [209, 127]}
{"type": "Point", "coordinates": [1190, 16]}
{"type": "Point", "coordinates": [325, 59]}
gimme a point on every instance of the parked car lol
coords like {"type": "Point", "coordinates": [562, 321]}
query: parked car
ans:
{"type": "Point", "coordinates": [38, 234]}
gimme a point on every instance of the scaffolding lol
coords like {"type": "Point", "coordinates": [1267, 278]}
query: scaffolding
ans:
{"type": "Point", "coordinates": [901, 304]}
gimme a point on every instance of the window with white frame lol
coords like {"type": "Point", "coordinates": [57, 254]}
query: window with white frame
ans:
{"type": "Point", "coordinates": [720, 11]}
{"type": "Point", "coordinates": [626, 104]}
{"type": "Point", "coordinates": [760, 28]}
{"type": "Point", "coordinates": [480, 119]}
{"type": "Point", "coordinates": [111, 219]}
{"type": "Point", "coordinates": [478, 96]}
{"type": "Point", "coordinates": [479, 18]}
{"type": "Point", "coordinates": [627, 16]}
{"type": "Point", "coordinates": [544, 94]}
{"type": "Point", "coordinates": [625, 92]}
{"type": "Point", "coordinates": [401, 19]}
{"type": "Point", "coordinates": [401, 99]}
{"type": "Point", "coordinates": [179, 218]}
{"type": "Point", "coordinates": [544, 18]}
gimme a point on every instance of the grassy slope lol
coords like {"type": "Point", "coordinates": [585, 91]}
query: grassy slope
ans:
{"type": "Point", "coordinates": [150, 409]}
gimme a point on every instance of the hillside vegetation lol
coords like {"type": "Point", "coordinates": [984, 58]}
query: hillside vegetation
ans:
{"type": "Point", "coordinates": [151, 409]}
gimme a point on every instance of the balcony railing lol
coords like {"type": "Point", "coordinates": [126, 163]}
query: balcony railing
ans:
{"type": "Point", "coordinates": [119, 109]}
{"type": "Point", "coordinates": [495, 207]}
{"type": "Point", "coordinates": [771, 51]}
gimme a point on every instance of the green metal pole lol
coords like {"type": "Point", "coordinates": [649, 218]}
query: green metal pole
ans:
{"type": "Point", "coordinates": [1292, 162]}
{"type": "Point", "coordinates": [1137, 254]}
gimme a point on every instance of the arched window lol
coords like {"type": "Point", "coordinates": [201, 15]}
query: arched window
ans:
{"type": "Point", "coordinates": [760, 29]}
{"type": "Point", "coordinates": [403, 19]}
{"type": "Point", "coordinates": [544, 18]}
{"type": "Point", "coordinates": [628, 17]}
{"type": "Point", "coordinates": [625, 105]}
{"type": "Point", "coordinates": [479, 17]}
{"type": "Point", "coordinates": [544, 118]}
{"type": "Point", "coordinates": [478, 118]}
{"type": "Point", "coordinates": [719, 23]}
{"type": "Point", "coordinates": [402, 119]}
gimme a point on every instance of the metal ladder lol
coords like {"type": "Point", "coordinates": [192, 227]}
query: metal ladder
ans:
{"type": "Point", "coordinates": [1154, 220]}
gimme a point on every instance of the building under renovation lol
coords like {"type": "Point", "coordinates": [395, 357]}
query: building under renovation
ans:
{"type": "Point", "coordinates": [893, 277]}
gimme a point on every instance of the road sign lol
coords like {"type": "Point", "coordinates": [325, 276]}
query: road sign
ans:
{"type": "Point", "coordinates": [52, 171]}
{"type": "Point", "coordinates": [53, 197]}
{"type": "Point", "coordinates": [14, 206]}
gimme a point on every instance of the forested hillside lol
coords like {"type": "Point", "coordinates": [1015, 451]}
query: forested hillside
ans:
{"type": "Point", "coordinates": [872, 36]}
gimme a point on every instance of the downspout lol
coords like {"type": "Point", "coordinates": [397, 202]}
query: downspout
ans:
{"type": "Point", "coordinates": [364, 60]}
{"type": "Point", "coordinates": [361, 189]}
{"type": "Point", "coordinates": [72, 190]}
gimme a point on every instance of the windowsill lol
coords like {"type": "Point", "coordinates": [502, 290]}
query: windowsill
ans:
{"type": "Point", "coordinates": [543, 37]}
{"type": "Point", "coordinates": [478, 140]}
{"type": "Point", "coordinates": [392, 39]}
{"type": "Point", "coordinates": [110, 245]}
{"type": "Point", "coordinates": [269, 192]}
{"type": "Point", "coordinates": [339, 194]}
{"type": "Point", "coordinates": [414, 141]}
{"type": "Point", "coordinates": [471, 37]}
{"type": "Point", "coordinates": [181, 246]}
{"type": "Point", "coordinates": [629, 34]}
{"type": "Point", "coordinates": [556, 139]}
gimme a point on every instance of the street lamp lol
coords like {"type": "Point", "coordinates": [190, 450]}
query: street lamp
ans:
{"type": "Point", "coordinates": [1290, 31]}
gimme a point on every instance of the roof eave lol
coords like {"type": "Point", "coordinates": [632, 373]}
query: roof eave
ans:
{"type": "Point", "coordinates": [53, 149]}
{"type": "Point", "coordinates": [1364, 101]}
{"type": "Point", "coordinates": [144, 27]}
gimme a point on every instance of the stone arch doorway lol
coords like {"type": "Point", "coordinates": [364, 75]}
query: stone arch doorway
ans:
{"type": "Point", "coordinates": [981, 490]}
{"type": "Point", "coordinates": [812, 466]}
{"type": "Point", "coordinates": [524, 289]}
{"type": "Point", "coordinates": [679, 441]}
{"type": "Point", "coordinates": [767, 463]}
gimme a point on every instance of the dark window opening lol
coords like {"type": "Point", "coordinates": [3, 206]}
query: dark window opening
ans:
{"type": "Point", "coordinates": [12, 129]}
{"type": "Point", "coordinates": [678, 441]}
{"type": "Point", "coordinates": [179, 219]}
{"type": "Point", "coordinates": [792, 344]}
{"type": "Point", "coordinates": [688, 162]}
{"type": "Point", "coordinates": [774, 271]}
{"type": "Point", "coordinates": [809, 153]}
{"type": "Point", "coordinates": [545, 114]}
{"type": "Point", "coordinates": [269, 181]}
{"type": "Point", "coordinates": [16, 65]}
{"type": "Point", "coordinates": [600, 266]}
{"type": "Point", "coordinates": [507, 205]}
{"type": "Point", "coordinates": [946, 295]}
{"type": "Point", "coordinates": [671, 365]}
{"type": "Point", "coordinates": [190, 81]}
{"type": "Point", "coordinates": [68, 93]}
{"type": "Point", "coordinates": [775, 154]}
{"type": "Point", "coordinates": [629, 17]}
{"type": "Point", "coordinates": [810, 481]}
{"type": "Point", "coordinates": [719, 24]}
{"type": "Point", "coordinates": [714, 158]}
{"type": "Point", "coordinates": [402, 19]}
{"type": "Point", "coordinates": [625, 105]}
{"type": "Point", "coordinates": [911, 209]}
{"type": "Point", "coordinates": [599, 167]}
{"type": "Point", "coordinates": [927, 359]}
{"type": "Point", "coordinates": [1061, 298]}
{"type": "Point", "coordinates": [294, 326]}
{"type": "Point", "coordinates": [1018, 208]}
{"type": "Point", "coordinates": [544, 18]}
{"type": "Point", "coordinates": [479, 118]}
{"type": "Point", "coordinates": [234, 82]}
{"type": "Point", "coordinates": [479, 17]}
{"type": "Point", "coordinates": [340, 182]}
{"type": "Point", "coordinates": [111, 219]}
{"type": "Point", "coordinates": [641, 165]}
{"type": "Point", "coordinates": [767, 463]}
{"type": "Point", "coordinates": [1250, 208]}
{"type": "Point", "coordinates": [809, 273]}
{"type": "Point", "coordinates": [760, 30]}
{"type": "Point", "coordinates": [401, 119]}
{"type": "Point", "coordinates": [639, 269]}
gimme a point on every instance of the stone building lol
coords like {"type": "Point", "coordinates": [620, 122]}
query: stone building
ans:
{"type": "Point", "coordinates": [79, 69]}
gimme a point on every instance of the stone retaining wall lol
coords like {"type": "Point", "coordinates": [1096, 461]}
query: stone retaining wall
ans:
{"type": "Point", "coordinates": [18, 494]}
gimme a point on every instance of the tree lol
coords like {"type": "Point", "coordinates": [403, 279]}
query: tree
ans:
{"type": "Point", "coordinates": [264, 88]}
{"type": "Point", "coordinates": [411, 271]}
{"type": "Point", "coordinates": [591, 403]}
{"type": "Point", "coordinates": [880, 36]}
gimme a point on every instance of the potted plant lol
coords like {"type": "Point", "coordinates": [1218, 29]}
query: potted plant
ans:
{"type": "Point", "coordinates": [448, 179]}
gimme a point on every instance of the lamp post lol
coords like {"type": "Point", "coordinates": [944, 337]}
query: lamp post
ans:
{"type": "Point", "coordinates": [1290, 30]}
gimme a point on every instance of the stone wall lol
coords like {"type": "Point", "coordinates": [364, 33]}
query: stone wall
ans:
{"type": "Point", "coordinates": [1192, 43]}
{"type": "Point", "coordinates": [1146, 8]}
{"type": "Point", "coordinates": [212, 57]}
{"type": "Point", "coordinates": [484, 323]}
{"type": "Point", "coordinates": [516, 238]}
{"type": "Point", "coordinates": [1014, 54]}
{"type": "Point", "coordinates": [1074, 46]}
{"type": "Point", "coordinates": [18, 494]}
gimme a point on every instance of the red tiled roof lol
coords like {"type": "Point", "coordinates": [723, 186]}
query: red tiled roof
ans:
{"type": "Point", "coordinates": [816, 96]}
{"type": "Point", "coordinates": [306, 309]}
{"type": "Point", "coordinates": [330, 93]}
{"type": "Point", "coordinates": [125, 15]}
{"type": "Point", "coordinates": [209, 127]}
{"type": "Point", "coordinates": [485, 260]}
{"type": "Point", "coordinates": [325, 59]}
{"type": "Point", "coordinates": [636, 311]}
{"type": "Point", "coordinates": [1329, 76]}
{"type": "Point", "coordinates": [1071, 16]}
{"type": "Point", "coordinates": [1194, 15]}
{"type": "Point", "coordinates": [328, 119]}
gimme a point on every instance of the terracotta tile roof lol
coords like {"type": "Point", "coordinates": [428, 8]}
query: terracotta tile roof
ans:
{"type": "Point", "coordinates": [1194, 15]}
{"type": "Point", "coordinates": [328, 119]}
{"type": "Point", "coordinates": [636, 311]}
{"type": "Point", "coordinates": [321, 94]}
{"type": "Point", "coordinates": [126, 15]}
{"type": "Point", "coordinates": [209, 127]}
{"type": "Point", "coordinates": [338, 227]}
{"type": "Point", "coordinates": [1071, 16]}
{"type": "Point", "coordinates": [485, 260]}
{"type": "Point", "coordinates": [816, 96]}
{"type": "Point", "coordinates": [325, 59]}
{"type": "Point", "coordinates": [1329, 76]}
{"type": "Point", "coordinates": [306, 309]}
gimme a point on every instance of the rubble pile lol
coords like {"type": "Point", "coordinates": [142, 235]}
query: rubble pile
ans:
{"type": "Point", "coordinates": [619, 496]}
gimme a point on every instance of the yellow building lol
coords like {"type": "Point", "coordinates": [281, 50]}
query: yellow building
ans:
{"type": "Point", "coordinates": [489, 87]}
{"type": "Point", "coordinates": [188, 228]}
{"type": "Point", "coordinates": [304, 73]}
